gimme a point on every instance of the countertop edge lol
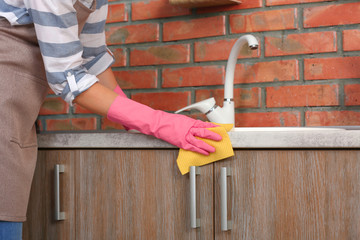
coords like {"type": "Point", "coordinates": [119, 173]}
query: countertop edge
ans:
{"type": "Point", "coordinates": [242, 140]}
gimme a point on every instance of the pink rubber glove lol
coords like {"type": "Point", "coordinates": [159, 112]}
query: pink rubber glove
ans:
{"type": "Point", "coordinates": [119, 91]}
{"type": "Point", "coordinates": [178, 130]}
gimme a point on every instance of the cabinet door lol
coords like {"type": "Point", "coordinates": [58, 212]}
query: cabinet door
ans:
{"type": "Point", "coordinates": [139, 194]}
{"type": "Point", "coordinates": [291, 195]}
{"type": "Point", "coordinates": [40, 222]}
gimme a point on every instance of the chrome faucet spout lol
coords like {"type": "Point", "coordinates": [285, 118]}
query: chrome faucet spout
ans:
{"type": "Point", "coordinates": [225, 114]}
{"type": "Point", "coordinates": [231, 63]}
{"type": "Point", "coordinates": [228, 109]}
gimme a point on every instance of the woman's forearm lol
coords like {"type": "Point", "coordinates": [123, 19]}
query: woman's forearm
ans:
{"type": "Point", "coordinates": [178, 130]}
{"type": "Point", "coordinates": [97, 99]}
{"type": "Point", "coordinates": [107, 79]}
{"type": "Point", "coordinates": [100, 96]}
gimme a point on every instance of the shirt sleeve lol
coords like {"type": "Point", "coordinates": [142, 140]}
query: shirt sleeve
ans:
{"type": "Point", "coordinates": [66, 61]}
{"type": "Point", "coordinates": [97, 57]}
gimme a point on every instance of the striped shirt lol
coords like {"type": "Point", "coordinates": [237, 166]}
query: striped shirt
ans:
{"type": "Point", "coordinates": [71, 60]}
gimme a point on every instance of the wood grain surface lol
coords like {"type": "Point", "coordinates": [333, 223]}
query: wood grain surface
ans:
{"type": "Point", "coordinates": [40, 224]}
{"type": "Point", "coordinates": [284, 194]}
{"type": "Point", "coordinates": [139, 195]}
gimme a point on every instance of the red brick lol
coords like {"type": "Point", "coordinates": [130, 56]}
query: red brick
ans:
{"type": "Point", "coordinates": [106, 124]}
{"type": "Point", "coordinates": [74, 124]}
{"type": "Point", "coordinates": [285, 2]}
{"type": "Point", "coordinates": [193, 76]}
{"type": "Point", "coordinates": [58, 125]}
{"type": "Point", "coordinates": [243, 97]}
{"type": "Point", "coordinates": [305, 43]}
{"type": "Point", "coordinates": [39, 126]}
{"type": "Point", "coordinates": [167, 101]}
{"type": "Point", "coordinates": [351, 39]}
{"type": "Point", "coordinates": [284, 70]}
{"type": "Point", "coordinates": [332, 15]}
{"type": "Point", "coordinates": [331, 68]}
{"type": "Point", "coordinates": [195, 28]}
{"type": "Point", "coordinates": [166, 54]}
{"type": "Point", "coordinates": [332, 118]}
{"type": "Point", "coordinates": [135, 79]}
{"type": "Point", "coordinates": [83, 123]}
{"type": "Point", "coordinates": [302, 96]}
{"type": "Point", "coordinates": [50, 92]}
{"type": "Point", "coordinates": [119, 55]}
{"type": "Point", "coordinates": [151, 9]}
{"type": "Point", "coordinates": [268, 119]}
{"type": "Point", "coordinates": [245, 4]}
{"type": "Point", "coordinates": [352, 94]}
{"type": "Point", "coordinates": [282, 19]}
{"type": "Point", "coordinates": [148, 32]}
{"type": "Point", "coordinates": [117, 13]}
{"type": "Point", "coordinates": [220, 50]}
{"type": "Point", "coordinates": [53, 106]}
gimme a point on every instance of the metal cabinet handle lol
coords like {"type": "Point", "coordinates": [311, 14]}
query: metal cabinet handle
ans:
{"type": "Point", "coordinates": [58, 169]}
{"type": "Point", "coordinates": [225, 223]}
{"type": "Point", "coordinates": [195, 222]}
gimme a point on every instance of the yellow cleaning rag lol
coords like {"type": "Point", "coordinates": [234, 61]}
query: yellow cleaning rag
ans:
{"type": "Point", "coordinates": [223, 150]}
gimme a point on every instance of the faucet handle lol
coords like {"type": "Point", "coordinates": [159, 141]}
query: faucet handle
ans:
{"type": "Point", "coordinates": [203, 106]}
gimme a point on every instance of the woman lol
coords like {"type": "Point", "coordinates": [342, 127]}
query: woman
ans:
{"type": "Point", "coordinates": [62, 44]}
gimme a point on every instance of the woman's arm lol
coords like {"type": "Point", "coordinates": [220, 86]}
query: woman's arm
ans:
{"type": "Point", "coordinates": [98, 98]}
{"type": "Point", "coordinates": [71, 62]}
{"type": "Point", "coordinates": [107, 79]}
{"type": "Point", "coordinates": [178, 130]}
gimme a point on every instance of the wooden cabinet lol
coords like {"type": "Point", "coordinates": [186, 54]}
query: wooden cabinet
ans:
{"type": "Point", "coordinates": [137, 195]}
{"type": "Point", "coordinates": [40, 222]}
{"type": "Point", "coordinates": [285, 194]}
{"type": "Point", "coordinates": [119, 194]}
{"type": "Point", "coordinates": [140, 194]}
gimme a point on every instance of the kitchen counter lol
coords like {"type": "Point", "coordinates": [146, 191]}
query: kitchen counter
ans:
{"type": "Point", "coordinates": [347, 137]}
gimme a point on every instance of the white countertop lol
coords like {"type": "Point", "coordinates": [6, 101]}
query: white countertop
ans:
{"type": "Point", "coordinates": [243, 138]}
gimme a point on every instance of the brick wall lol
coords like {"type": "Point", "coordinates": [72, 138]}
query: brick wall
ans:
{"type": "Point", "coordinates": [305, 73]}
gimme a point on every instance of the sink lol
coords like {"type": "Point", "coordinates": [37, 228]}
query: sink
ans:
{"type": "Point", "coordinates": [288, 129]}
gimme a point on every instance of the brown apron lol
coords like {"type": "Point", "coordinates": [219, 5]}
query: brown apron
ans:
{"type": "Point", "coordinates": [23, 88]}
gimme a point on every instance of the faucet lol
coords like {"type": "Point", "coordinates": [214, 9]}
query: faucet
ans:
{"type": "Point", "coordinates": [225, 114]}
